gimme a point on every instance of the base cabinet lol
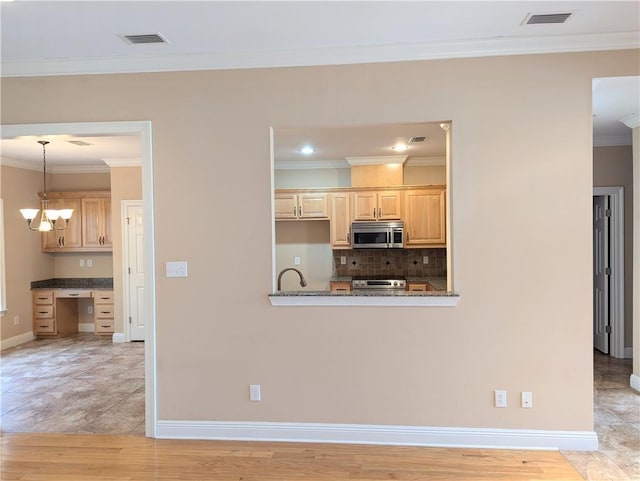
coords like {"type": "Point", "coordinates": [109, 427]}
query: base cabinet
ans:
{"type": "Point", "coordinates": [104, 313]}
{"type": "Point", "coordinates": [340, 286]}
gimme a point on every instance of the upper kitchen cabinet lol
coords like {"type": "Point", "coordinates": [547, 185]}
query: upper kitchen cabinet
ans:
{"type": "Point", "coordinates": [89, 228]}
{"type": "Point", "coordinates": [340, 225]}
{"type": "Point", "coordinates": [377, 205]}
{"type": "Point", "coordinates": [292, 205]}
{"type": "Point", "coordinates": [424, 217]}
{"type": "Point", "coordinates": [69, 238]}
{"type": "Point", "coordinates": [96, 223]}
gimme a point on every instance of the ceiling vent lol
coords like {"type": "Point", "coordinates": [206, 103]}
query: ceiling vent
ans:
{"type": "Point", "coordinates": [143, 39]}
{"type": "Point", "coordinates": [546, 18]}
{"type": "Point", "coordinates": [79, 143]}
{"type": "Point", "coordinates": [415, 140]}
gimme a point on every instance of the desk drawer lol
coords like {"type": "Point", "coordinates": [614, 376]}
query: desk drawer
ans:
{"type": "Point", "coordinates": [43, 297]}
{"type": "Point", "coordinates": [104, 325]}
{"type": "Point", "coordinates": [43, 312]}
{"type": "Point", "coordinates": [104, 311]}
{"type": "Point", "coordinates": [72, 293]}
{"type": "Point", "coordinates": [44, 325]}
{"type": "Point", "coordinates": [103, 297]}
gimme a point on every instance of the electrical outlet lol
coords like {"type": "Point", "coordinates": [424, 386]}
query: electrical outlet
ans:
{"type": "Point", "coordinates": [254, 392]}
{"type": "Point", "coordinates": [527, 399]}
{"type": "Point", "coordinates": [343, 260]}
{"type": "Point", "coordinates": [296, 261]}
{"type": "Point", "coordinates": [16, 320]}
{"type": "Point", "coordinates": [425, 259]}
{"type": "Point", "coordinates": [81, 262]}
{"type": "Point", "coordinates": [89, 309]}
{"type": "Point", "coordinates": [500, 399]}
{"type": "Point", "coordinates": [89, 262]}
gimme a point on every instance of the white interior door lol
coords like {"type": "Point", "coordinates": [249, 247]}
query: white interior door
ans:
{"type": "Point", "coordinates": [601, 271]}
{"type": "Point", "coordinates": [135, 271]}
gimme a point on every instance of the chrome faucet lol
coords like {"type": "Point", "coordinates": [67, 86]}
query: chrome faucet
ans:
{"type": "Point", "coordinates": [303, 282]}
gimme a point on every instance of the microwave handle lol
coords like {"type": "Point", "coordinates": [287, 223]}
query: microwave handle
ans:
{"type": "Point", "coordinates": [389, 237]}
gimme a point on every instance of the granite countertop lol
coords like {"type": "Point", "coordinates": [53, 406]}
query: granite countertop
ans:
{"type": "Point", "coordinates": [74, 283]}
{"type": "Point", "coordinates": [364, 293]}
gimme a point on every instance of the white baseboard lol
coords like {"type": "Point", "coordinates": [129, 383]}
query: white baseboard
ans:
{"type": "Point", "coordinates": [380, 434]}
{"type": "Point", "coordinates": [17, 340]}
{"type": "Point", "coordinates": [628, 353]}
{"type": "Point", "coordinates": [634, 382]}
{"type": "Point", "coordinates": [119, 337]}
{"type": "Point", "coordinates": [86, 327]}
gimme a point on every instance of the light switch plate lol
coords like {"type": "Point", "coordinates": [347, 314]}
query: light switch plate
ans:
{"type": "Point", "coordinates": [176, 269]}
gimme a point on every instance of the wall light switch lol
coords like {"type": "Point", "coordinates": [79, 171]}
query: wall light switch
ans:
{"type": "Point", "coordinates": [81, 262]}
{"type": "Point", "coordinates": [343, 260]}
{"type": "Point", "coordinates": [500, 398]}
{"type": "Point", "coordinates": [176, 269]}
{"type": "Point", "coordinates": [296, 261]}
{"type": "Point", "coordinates": [425, 259]}
{"type": "Point", "coordinates": [254, 392]}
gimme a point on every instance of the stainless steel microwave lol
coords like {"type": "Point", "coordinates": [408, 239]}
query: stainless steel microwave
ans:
{"type": "Point", "coordinates": [377, 235]}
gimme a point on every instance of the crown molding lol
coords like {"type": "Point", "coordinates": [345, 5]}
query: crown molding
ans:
{"type": "Point", "coordinates": [20, 164]}
{"type": "Point", "coordinates": [632, 121]}
{"type": "Point", "coordinates": [377, 160]}
{"type": "Point", "coordinates": [133, 162]}
{"type": "Point", "coordinates": [428, 161]}
{"type": "Point", "coordinates": [324, 56]}
{"type": "Point", "coordinates": [80, 169]}
{"type": "Point", "coordinates": [310, 164]}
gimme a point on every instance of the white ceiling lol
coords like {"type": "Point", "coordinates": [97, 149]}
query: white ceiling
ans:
{"type": "Point", "coordinates": [51, 37]}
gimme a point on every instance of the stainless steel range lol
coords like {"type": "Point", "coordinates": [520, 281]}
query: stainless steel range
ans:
{"type": "Point", "coordinates": [384, 283]}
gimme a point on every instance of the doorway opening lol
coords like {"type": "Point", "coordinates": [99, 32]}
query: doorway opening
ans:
{"type": "Point", "coordinates": [143, 130]}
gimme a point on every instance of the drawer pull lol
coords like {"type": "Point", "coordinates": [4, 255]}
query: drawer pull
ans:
{"type": "Point", "coordinates": [74, 294]}
{"type": "Point", "coordinates": [105, 312]}
{"type": "Point", "coordinates": [44, 327]}
{"type": "Point", "coordinates": [42, 298]}
{"type": "Point", "coordinates": [105, 298]}
{"type": "Point", "coordinates": [105, 327]}
{"type": "Point", "coordinates": [43, 312]}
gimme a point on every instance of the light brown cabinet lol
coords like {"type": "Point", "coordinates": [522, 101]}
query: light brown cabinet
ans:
{"type": "Point", "coordinates": [418, 286]}
{"type": "Point", "coordinates": [301, 206]}
{"type": "Point", "coordinates": [71, 237]}
{"type": "Point", "coordinates": [104, 313]}
{"type": "Point", "coordinates": [340, 286]}
{"type": "Point", "coordinates": [340, 224]}
{"type": "Point", "coordinates": [424, 218]}
{"type": "Point", "coordinates": [96, 223]}
{"type": "Point", "coordinates": [89, 228]}
{"type": "Point", "coordinates": [377, 205]}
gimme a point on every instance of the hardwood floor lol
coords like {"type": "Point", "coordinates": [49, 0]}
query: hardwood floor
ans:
{"type": "Point", "coordinates": [69, 457]}
{"type": "Point", "coordinates": [109, 402]}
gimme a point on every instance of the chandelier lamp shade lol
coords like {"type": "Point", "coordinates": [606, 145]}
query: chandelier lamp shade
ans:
{"type": "Point", "coordinates": [49, 219]}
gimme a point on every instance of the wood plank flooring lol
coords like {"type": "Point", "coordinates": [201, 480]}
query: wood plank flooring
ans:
{"type": "Point", "coordinates": [77, 457]}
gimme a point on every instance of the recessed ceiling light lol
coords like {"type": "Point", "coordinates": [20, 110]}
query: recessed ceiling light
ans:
{"type": "Point", "coordinates": [307, 150]}
{"type": "Point", "coordinates": [400, 147]}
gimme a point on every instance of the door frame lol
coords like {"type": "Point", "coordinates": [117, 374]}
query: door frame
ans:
{"type": "Point", "coordinates": [616, 282]}
{"type": "Point", "coordinates": [126, 297]}
{"type": "Point", "coordinates": [143, 129]}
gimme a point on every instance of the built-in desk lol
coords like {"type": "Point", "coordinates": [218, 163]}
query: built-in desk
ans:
{"type": "Point", "coordinates": [55, 306]}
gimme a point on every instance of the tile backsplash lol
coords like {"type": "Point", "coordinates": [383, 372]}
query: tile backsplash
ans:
{"type": "Point", "coordinates": [391, 262]}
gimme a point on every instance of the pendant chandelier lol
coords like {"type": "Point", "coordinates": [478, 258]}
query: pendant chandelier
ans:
{"type": "Point", "coordinates": [48, 217]}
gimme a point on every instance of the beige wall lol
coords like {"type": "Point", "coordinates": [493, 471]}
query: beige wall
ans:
{"type": "Point", "coordinates": [82, 181]}
{"type": "Point", "coordinates": [612, 167]}
{"type": "Point", "coordinates": [23, 260]}
{"type": "Point", "coordinates": [126, 184]}
{"type": "Point", "coordinates": [425, 175]}
{"type": "Point", "coordinates": [521, 240]}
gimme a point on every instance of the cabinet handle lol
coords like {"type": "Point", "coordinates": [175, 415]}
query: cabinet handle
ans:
{"type": "Point", "coordinates": [104, 327]}
{"type": "Point", "coordinates": [299, 210]}
{"type": "Point", "coordinates": [379, 212]}
{"type": "Point", "coordinates": [74, 294]}
{"type": "Point", "coordinates": [42, 298]}
{"type": "Point", "coordinates": [294, 211]}
{"type": "Point", "coordinates": [62, 241]}
{"type": "Point", "coordinates": [43, 327]}
{"type": "Point", "coordinates": [43, 312]}
{"type": "Point", "coordinates": [374, 212]}
{"type": "Point", "coordinates": [348, 237]}
{"type": "Point", "coordinates": [105, 312]}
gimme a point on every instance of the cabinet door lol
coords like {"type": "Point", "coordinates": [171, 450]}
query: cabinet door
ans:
{"type": "Point", "coordinates": [313, 206]}
{"type": "Point", "coordinates": [365, 205]}
{"type": "Point", "coordinates": [424, 218]}
{"type": "Point", "coordinates": [96, 222]}
{"type": "Point", "coordinates": [340, 224]}
{"type": "Point", "coordinates": [389, 203]}
{"type": "Point", "coordinates": [285, 206]}
{"type": "Point", "coordinates": [72, 235]}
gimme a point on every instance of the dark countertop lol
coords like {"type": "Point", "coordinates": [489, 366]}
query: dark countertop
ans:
{"type": "Point", "coordinates": [74, 283]}
{"type": "Point", "coordinates": [364, 293]}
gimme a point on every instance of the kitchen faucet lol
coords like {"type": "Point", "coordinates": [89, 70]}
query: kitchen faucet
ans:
{"type": "Point", "coordinates": [303, 282]}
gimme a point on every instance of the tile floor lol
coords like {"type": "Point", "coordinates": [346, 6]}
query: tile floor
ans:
{"type": "Point", "coordinates": [617, 422]}
{"type": "Point", "coordinates": [86, 384]}
{"type": "Point", "coordinates": [79, 384]}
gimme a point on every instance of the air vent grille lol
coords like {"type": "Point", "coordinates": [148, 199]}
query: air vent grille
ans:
{"type": "Point", "coordinates": [144, 39]}
{"type": "Point", "coordinates": [543, 18]}
{"type": "Point", "coordinates": [79, 143]}
{"type": "Point", "coordinates": [415, 140]}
